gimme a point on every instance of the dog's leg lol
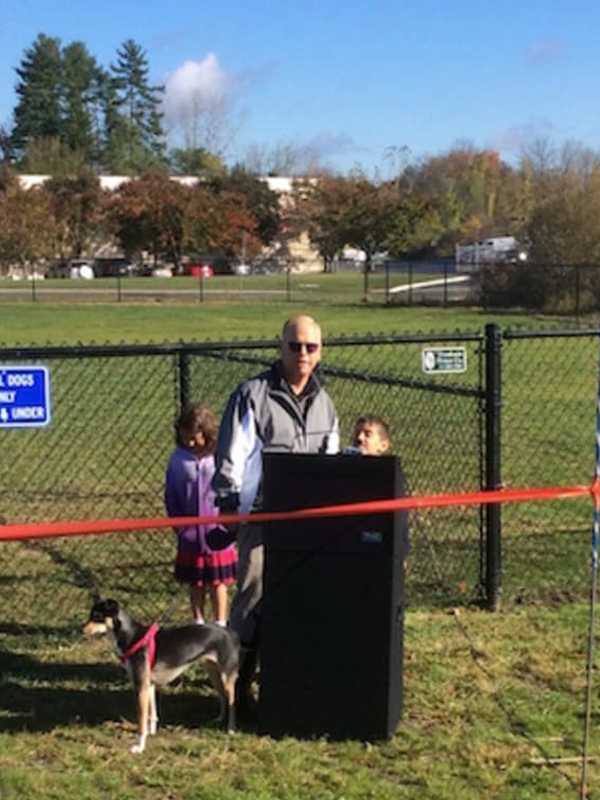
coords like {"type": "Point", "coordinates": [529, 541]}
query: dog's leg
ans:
{"type": "Point", "coordinates": [214, 673]}
{"type": "Point", "coordinates": [228, 682]}
{"type": "Point", "coordinates": [143, 698]}
{"type": "Point", "coordinates": [153, 721]}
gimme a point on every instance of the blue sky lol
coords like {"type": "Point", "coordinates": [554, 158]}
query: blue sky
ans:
{"type": "Point", "coordinates": [349, 79]}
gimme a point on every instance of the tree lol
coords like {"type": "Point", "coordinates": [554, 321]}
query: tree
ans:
{"type": "Point", "coordinates": [146, 215]}
{"type": "Point", "coordinates": [51, 156]}
{"type": "Point", "coordinates": [7, 153]}
{"type": "Point", "coordinates": [564, 226]}
{"type": "Point", "coordinates": [38, 112]}
{"type": "Point", "coordinates": [284, 158]}
{"type": "Point", "coordinates": [473, 192]}
{"type": "Point", "coordinates": [26, 226]}
{"type": "Point", "coordinates": [260, 200]}
{"type": "Point", "coordinates": [135, 134]}
{"type": "Point", "coordinates": [321, 208]}
{"type": "Point", "coordinates": [196, 161]}
{"type": "Point", "coordinates": [371, 216]}
{"type": "Point", "coordinates": [80, 84]}
{"type": "Point", "coordinates": [374, 218]}
{"type": "Point", "coordinates": [78, 213]}
{"type": "Point", "coordinates": [220, 223]}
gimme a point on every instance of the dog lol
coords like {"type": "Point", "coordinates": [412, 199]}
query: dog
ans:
{"type": "Point", "coordinates": [154, 657]}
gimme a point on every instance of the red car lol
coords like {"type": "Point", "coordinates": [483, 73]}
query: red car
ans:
{"type": "Point", "coordinates": [199, 270]}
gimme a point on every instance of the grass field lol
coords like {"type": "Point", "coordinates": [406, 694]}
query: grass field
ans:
{"type": "Point", "coordinates": [491, 700]}
{"type": "Point", "coordinates": [67, 322]}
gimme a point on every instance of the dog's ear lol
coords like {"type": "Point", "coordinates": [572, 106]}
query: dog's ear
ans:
{"type": "Point", "coordinates": [112, 608]}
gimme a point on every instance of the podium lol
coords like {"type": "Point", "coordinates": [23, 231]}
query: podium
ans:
{"type": "Point", "coordinates": [331, 633]}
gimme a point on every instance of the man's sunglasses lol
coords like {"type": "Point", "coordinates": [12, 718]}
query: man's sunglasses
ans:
{"type": "Point", "coordinates": [296, 347]}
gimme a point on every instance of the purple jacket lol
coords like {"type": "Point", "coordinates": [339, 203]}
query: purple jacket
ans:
{"type": "Point", "coordinates": [188, 493]}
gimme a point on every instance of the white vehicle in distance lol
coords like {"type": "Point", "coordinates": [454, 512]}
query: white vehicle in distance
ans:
{"type": "Point", "coordinates": [73, 268]}
{"type": "Point", "coordinates": [162, 272]}
{"type": "Point", "coordinates": [242, 269]}
{"type": "Point", "coordinates": [81, 269]}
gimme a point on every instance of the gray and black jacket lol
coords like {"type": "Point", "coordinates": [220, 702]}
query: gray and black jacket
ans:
{"type": "Point", "coordinates": [262, 415]}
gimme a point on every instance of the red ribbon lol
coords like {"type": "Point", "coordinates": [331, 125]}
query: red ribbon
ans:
{"type": "Point", "coordinates": [45, 530]}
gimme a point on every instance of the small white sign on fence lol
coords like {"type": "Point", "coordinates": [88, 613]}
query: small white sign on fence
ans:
{"type": "Point", "coordinates": [444, 359]}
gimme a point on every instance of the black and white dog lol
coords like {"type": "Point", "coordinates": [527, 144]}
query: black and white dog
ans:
{"type": "Point", "coordinates": [155, 656]}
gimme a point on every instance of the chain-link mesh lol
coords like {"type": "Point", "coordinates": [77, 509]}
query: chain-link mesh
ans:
{"type": "Point", "coordinates": [104, 456]}
{"type": "Point", "coordinates": [548, 428]}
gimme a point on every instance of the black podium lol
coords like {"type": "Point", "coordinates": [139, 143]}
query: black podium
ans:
{"type": "Point", "coordinates": [331, 635]}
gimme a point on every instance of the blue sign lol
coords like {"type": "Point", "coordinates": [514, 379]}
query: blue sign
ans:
{"type": "Point", "coordinates": [24, 397]}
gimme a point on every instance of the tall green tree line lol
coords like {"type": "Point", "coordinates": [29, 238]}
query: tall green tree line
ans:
{"type": "Point", "coordinates": [108, 119]}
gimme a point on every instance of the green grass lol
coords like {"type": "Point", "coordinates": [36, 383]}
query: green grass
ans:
{"type": "Point", "coordinates": [487, 697]}
{"type": "Point", "coordinates": [69, 323]}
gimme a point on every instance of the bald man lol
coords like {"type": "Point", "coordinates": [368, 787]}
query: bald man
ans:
{"type": "Point", "coordinates": [283, 409]}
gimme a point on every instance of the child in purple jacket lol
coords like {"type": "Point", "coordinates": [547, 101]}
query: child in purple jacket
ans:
{"type": "Point", "coordinates": [188, 494]}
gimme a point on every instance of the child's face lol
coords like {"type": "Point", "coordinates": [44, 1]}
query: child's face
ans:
{"type": "Point", "coordinates": [196, 441]}
{"type": "Point", "coordinates": [370, 439]}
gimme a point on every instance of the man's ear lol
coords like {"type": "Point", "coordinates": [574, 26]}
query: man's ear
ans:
{"type": "Point", "coordinates": [384, 446]}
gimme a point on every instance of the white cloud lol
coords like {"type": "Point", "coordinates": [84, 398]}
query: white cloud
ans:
{"type": "Point", "coordinates": [195, 87]}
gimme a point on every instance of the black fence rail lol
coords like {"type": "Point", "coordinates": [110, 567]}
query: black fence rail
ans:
{"type": "Point", "coordinates": [104, 456]}
{"type": "Point", "coordinates": [567, 289]}
{"type": "Point", "coordinates": [522, 413]}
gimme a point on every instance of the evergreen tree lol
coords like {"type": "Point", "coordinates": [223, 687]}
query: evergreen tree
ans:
{"type": "Point", "coordinates": [38, 112]}
{"type": "Point", "coordinates": [81, 75]}
{"type": "Point", "coordinates": [136, 137]}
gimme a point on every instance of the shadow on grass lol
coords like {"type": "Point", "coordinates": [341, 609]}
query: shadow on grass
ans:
{"type": "Point", "coordinates": [33, 697]}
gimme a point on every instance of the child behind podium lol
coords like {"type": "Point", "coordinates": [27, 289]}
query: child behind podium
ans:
{"type": "Point", "coordinates": [371, 435]}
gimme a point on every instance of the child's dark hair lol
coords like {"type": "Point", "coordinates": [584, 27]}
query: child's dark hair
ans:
{"type": "Point", "coordinates": [371, 419]}
{"type": "Point", "coordinates": [194, 418]}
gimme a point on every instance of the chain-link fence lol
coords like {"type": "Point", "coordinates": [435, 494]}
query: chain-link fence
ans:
{"type": "Point", "coordinates": [113, 413]}
{"type": "Point", "coordinates": [571, 289]}
{"type": "Point", "coordinates": [549, 390]}
{"type": "Point", "coordinates": [553, 288]}
{"type": "Point", "coordinates": [104, 456]}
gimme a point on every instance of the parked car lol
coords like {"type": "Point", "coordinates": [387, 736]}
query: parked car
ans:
{"type": "Point", "coordinates": [242, 269]}
{"type": "Point", "coordinates": [113, 267]}
{"type": "Point", "coordinates": [162, 272]}
{"type": "Point", "coordinates": [219, 264]}
{"type": "Point", "coordinates": [72, 268]}
{"type": "Point", "coordinates": [197, 270]}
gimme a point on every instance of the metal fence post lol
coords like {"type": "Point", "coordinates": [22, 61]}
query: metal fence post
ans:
{"type": "Point", "coordinates": [387, 282]}
{"type": "Point", "coordinates": [445, 301]}
{"type": "Point", "coordinates": [493, 463]}
{"type": "Point", "coordinates": [183, 366]}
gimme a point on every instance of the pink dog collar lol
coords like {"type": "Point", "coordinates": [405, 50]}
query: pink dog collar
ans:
{"type": "Point", "coordinates": [148, 641]}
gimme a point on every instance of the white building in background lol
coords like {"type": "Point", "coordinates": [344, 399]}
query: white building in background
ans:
{"type": "Point", "coordinates": [282, 186]}
{"type": "Point", "coordinates": [495, 250]}
{"type": "Point", "coordinates": [297, 251]}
